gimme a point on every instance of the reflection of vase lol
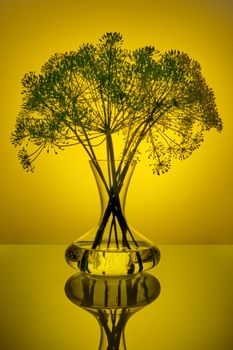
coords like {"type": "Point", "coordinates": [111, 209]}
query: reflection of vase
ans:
{"type": "Point", "coordinates": [112, 300]}
{"type": "Point", "coordinates": [112, 247]}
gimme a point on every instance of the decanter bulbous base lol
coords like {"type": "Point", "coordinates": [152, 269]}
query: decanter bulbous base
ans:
{"type": "Point", "coordinates": [111, 262]}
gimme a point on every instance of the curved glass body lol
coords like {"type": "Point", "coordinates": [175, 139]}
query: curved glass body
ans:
{"type": "Point", "coordinates": [112, 247]}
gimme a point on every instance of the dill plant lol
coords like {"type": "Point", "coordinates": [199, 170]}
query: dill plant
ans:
{"type": "Point", "coordinates": [86, 96]}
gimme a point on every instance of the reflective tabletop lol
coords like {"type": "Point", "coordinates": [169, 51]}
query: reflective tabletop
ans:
{"type": "Point", "coordinates": [189, 306]}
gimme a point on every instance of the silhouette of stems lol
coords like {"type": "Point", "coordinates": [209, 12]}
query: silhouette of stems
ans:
{"type": "Point", "coordinates": [113, 325]}
{"type": "Point", "coordinates": [114, 209]}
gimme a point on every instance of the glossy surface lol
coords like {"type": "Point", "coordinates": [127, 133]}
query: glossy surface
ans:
{"type": "Point", "coordinates": [193, 311]}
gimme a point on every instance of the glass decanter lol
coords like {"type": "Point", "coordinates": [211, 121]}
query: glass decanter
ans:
{"type": "Point", "coordinates": [112, 247]}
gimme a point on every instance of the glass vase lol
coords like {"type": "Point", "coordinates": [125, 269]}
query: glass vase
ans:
{"type": "Point", "coordinates": [112, 247]}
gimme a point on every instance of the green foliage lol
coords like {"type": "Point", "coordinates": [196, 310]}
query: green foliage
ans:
{"type": "Point", "coordinates": [84, 97]}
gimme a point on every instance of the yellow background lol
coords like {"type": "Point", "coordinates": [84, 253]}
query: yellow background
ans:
{"type": "Point", "coordinates": [193, 203]}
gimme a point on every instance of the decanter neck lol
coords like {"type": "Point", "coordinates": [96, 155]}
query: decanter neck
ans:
{"type": "Point", "coordinates": [113, 180]}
